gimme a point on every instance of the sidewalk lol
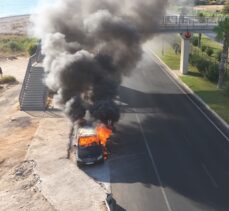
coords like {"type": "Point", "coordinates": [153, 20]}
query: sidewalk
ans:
{"type": "Point", "coordinates": [61, 182]}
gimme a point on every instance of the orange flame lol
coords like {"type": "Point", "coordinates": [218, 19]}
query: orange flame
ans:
{"type": "Point", "coordinates": [88, 141]}
{"type": "Point", "coordinates": [103, 133]}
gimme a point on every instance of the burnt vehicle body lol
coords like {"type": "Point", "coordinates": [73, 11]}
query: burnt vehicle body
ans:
{"type": "Point", "coordinates": [89, 149]}
{"type": "Point", "coordinates": [89, 155]}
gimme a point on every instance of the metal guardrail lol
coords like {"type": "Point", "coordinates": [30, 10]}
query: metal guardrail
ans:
{"type": "Point", "coordinates": [188, 23]}
{"type": "Point", "coordinates": [190, 20]}
{"type": "Point", "coordinates": [33, 59]}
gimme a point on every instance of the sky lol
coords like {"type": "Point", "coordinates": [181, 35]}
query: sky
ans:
{"type": "Point", "coordinates": [18, 7]}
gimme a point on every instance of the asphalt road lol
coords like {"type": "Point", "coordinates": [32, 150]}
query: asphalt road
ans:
{"type": "Point", "coordinates": [166, 156]}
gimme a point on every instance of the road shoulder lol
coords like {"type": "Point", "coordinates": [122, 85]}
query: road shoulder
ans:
{"type": "Point", "coordinates": [211, 115]}
{"type": "Point", "coordinates": [64, 185]}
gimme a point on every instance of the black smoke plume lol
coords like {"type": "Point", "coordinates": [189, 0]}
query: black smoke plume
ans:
{"type": "Point", "coordinates": [89, 45]}
{"type": "Point", "coordinates": [105, 110]}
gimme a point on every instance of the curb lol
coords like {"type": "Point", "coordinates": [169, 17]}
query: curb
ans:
{"type": "Point", "coordinates": [109, 202]}
{"type": "Point", "coordinates": [189, 90]}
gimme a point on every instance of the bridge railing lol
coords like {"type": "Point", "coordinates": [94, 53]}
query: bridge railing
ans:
{"type": "Point", "coordinates": [190, 20]}
{"type": "Point", "coordinates": [192, 23]}
{"type": "Point", "coordinates": [33, 59]}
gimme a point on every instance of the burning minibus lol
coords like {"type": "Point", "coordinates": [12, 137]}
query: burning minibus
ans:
{"type": "Point", "coordinates": [91, 142]}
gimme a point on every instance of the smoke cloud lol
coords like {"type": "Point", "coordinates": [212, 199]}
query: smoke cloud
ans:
{"type": "Point", "coordinates": [90, 45]}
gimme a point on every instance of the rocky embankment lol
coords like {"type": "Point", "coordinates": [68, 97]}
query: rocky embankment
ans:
{"type": "Point", "coordinates": [17, 25]}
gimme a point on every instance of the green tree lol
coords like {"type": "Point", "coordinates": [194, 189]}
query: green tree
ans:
{"type": "Point", "coordinates": [222, 31]}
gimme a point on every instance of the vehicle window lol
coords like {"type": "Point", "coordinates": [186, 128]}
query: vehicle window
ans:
{"type": "Point", "coordinates": [88, 141]}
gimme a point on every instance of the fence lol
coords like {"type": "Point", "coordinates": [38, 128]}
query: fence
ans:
{"type": "Point", "coordinates": [192, 23]}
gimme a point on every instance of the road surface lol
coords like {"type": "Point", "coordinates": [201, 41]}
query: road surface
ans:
{"type": "Point", "coordinates": [167, 155]}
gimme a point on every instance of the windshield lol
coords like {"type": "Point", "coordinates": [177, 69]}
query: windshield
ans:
{"type": "Point", "coordinates": [88, 141]}
{"type": "Point", "coordinates": [92, 151]}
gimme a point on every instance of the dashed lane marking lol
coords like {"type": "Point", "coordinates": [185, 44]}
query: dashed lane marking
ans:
{"type": "Point", "coordinates": [154, 164]}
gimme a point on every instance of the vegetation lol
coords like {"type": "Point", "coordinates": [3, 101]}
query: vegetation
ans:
{"type": "Point", "coordinates": [207, 68]}
{"type": "Point", "coordinates": [222, 31]}
{"type": "Point", "coordinates": [207, 61]}
{"type": "Point", "coordinates": [171, 58]}
{"type": "Point", "coordinates": [209, 8]}
{"type": "Point", "coordinates": [215, 98]}
{"type": "Point", "coordinates": [203, 73]}
{"type": "Point", "coordinates": [209, 51]}
{"type": "Point", "coordinates": [16, 45]}
{"type": "Point", "coordinates": [209, 2]}
{"type": "Point", "coordinates": [32, 49]}
{"type": "Point", "coordinates": [209, 43]}
{"type": "Point", "coordinates": [203, 48]}
{"type": "Point", "coordinates": [7, 79]}
{"type": "Point", "coordinates": [226, 8]}
{"type": "Point", "coordinates": [226, 88]}
{"type": "Point", "coordinates": [195, 41]}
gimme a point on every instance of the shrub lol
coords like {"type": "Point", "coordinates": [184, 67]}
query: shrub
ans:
{"type": "Point", "coordinates": [32, 49]}
{"type": "Point", "coordinates": [203, 48]}
{"type": "Point", "coordinates": [7, 79]}
{"type": "Point", "coordinates": [194, 59]}
{"type": "Point", "coordinates": [209, 51]}
{"type": "Point", "coordinates": [195, 41]}
{"type": "Point", "coordinates": [14, 46]}
{"type": "Point", "coordinates": [202, 66]}
{"type": "Point", "coordinates": [226, 88]}
{"type": "Point", "coordinates": [212, 72]}
{"type": "Point", "coordinates": [200, 14]}
{"type": "Point", "coordinates": [10, 44]}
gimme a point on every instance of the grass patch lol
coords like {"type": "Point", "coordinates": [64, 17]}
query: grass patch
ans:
{"type": "Point", "coordinates": [172, 60]}
{"type": "Point", "coordinates": [215, 46]}
{"type": "Point", "coordinates": [8, 79]}
{"type": "Point", "coordinates": [215, 98]}
{"type": "Point", "coordinates": [15, 45]}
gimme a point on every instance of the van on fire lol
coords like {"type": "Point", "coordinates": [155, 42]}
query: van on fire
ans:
{"type": "Point", "coordinates": [91, 144]}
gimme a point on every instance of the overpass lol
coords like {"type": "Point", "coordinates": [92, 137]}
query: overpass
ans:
{"type": "Point", "coordinates": [194, 24]}
{"type": "Point", "coordinates": [185, 25]}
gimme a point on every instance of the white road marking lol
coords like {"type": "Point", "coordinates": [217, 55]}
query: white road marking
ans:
{"type": "Point", "coordinates": [210, 176]}
{"type": "Point", "coordinates": [190, 99]}
{"type": "Point", "coordinates": [154, 164]}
